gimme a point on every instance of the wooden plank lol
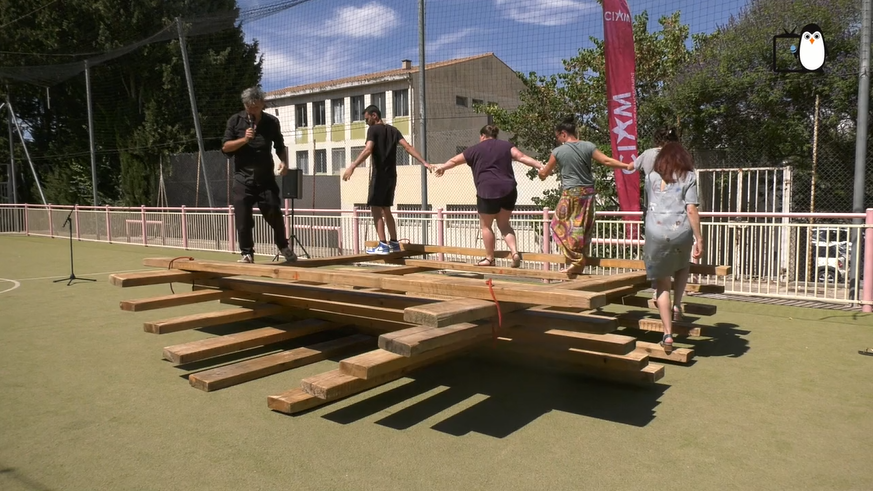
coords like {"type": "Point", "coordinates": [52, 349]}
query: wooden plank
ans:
{"type": "Point", "coordinates": [237, 373]}
{"type": "Point", "coordinates": [203, 349]}
{"type": "Point", "coordinates": [690, 308]}
{"type": "Point", "coordinates": [420, 342]}
{"type": "Point", "coordinates": [392, 315]}
{"type": "Point", "coordinates": [615, 344]}
{"type": "Point", "coordinates": [703, 288]}
{"type": "Point", "coordinates": [196, 321]}
{"type": "Point", "coordinates": [556, 258]}
{"type": "Point", "coordinates": [293, 401]}
{"type": "Point", "coordinates": [656, 351]}
{"type": "Point", "coordinates": [174, 300]}
{"type": "Point", "coordinates": [379, 362]}
{"type": "Point", "coordinates": [489, 270]}
{"type": "Point", "coordinates": [505, 292]}
{"type": "Point", "coordinates": [367, 325]}
{"type": "Point", "coordinates": [335, 385]}
{"type": "Point", "coordinates": [160, 277]}
{"type": "Point", "coordinates": [645, 324]}
{"type": "Point", "coordinates": [630, 362]}
{"type": "Point", "coordinates": [570, 321]}
{"type": "Point", "coordinates": [375, 297]}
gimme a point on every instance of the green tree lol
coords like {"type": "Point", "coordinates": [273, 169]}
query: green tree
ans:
{"type": "Point", "coordinates": [140, 100]}
{"type": "Point", "coordinates": [581, 90]}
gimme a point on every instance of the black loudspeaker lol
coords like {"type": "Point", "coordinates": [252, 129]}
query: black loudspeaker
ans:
{"type": "Point", "coordinates": [292, 184]}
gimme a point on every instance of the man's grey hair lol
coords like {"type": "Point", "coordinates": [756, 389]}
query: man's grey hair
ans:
{"type": "Point", "coordinates": [253, 94]}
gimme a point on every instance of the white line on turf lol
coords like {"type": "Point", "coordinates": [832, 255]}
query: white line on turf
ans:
{"type": "Point", "coordinates": [84, 275]}
{"type": "Point", "coordinates": [15, 285]}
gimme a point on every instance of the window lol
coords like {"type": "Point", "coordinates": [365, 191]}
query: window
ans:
{"type": "Point", "coordinates": [355, 151]}
{"type": "Point", "coordinates": [358, 108]}
{"type": "Point", "coordinates": [401, 103]}
{"type": "Point", "coordinates": [337, 159]}
{"type": "Point", "coordinates": [415, 219]}
{"type": "Point", "coordinates": [338, 107]}
{"type": "Point", "coordinates": [378, 100]}
{"type": "Point", "coordinates": [301, 116]}
{"type": "Point", "coordinates": [321, 161]}
{"type": "Point", "coordinates": [460, 101]}
{"type": "Point", "coordinates": [303, 161]}
{"type": "Point", "coordinates": [318, 116]}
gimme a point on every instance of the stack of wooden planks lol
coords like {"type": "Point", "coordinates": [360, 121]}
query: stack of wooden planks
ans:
{"type": "Point", "coordinates": [380, 323]}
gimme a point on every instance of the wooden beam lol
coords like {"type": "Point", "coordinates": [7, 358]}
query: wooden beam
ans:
{"type": "Point", "coordinates": [489, 270]}
{"type": "Point", "coordinates": [159, 277]}
{"type": "Point", "coordinates": [656, 351]}
{"type": "Point", "coordinates": [557, 259]}
{"type": "Point", "coordinates": [203, 349]}
{"type": "Point", "coordinates": [196, 321]}
{"type": "Point", "coordinates": [630, 362]}
{"type": "Point", "coordinates": [413, 343]}
{"type": "Point", "coordinates": [690, 308]}
{"type": "Point", "coordinates": [293, 401]}
{"type": "Point", "coordinates": [363, 310]}
{"type": "Point", "coordinates": [703, 288]}
{"type": "Point", "coordinates": [615, 344]}
{"type": "Point", "coordinates": [634, 321]}
{"type": "Point", "coordinates": [379, 362]}
{"type": "Point", "coordinates": [336, 385]}
{"type": "Point", "coordinates": [237, 373]}
{"type": "Point", "coordinates": [506, 292]}
{"type": "Point", "coordinates": [570, 321]}
{"type": "Point", "coordinates": [174, 300]}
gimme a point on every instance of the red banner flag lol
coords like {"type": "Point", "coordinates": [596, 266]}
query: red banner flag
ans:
{"type": "Point", "coordinates": [618, 37]}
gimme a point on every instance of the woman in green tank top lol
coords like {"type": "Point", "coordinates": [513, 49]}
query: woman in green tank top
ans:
{"type": "Point", "coordinates": [573, 222]}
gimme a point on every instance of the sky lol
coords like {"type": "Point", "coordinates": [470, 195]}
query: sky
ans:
{"type": "Point", "coordinates": [327, 39]}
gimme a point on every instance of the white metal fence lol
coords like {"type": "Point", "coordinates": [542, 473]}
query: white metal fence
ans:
{"type": "Point", "coordinates": [798, 256]}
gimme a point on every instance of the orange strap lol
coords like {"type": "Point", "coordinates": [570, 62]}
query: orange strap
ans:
{"type": "Point", "coordinates": [499, 314]}
{"type": "Point", "coordinates": [170, 266]}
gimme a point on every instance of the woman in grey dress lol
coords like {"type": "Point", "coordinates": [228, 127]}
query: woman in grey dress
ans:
{"type": "Point", "coordinates": [672, 230]}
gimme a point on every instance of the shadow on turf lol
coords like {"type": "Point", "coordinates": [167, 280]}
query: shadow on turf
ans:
{"type": "Point", "coordinates": [26, 482]}
{"type": "Point", "coordinates": [516, 393]}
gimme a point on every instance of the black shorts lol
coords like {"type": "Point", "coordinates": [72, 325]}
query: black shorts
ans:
{"type": "Point", "coordinates": [493, 206]}
{"type": "Point", "coordinates": [382, 191]}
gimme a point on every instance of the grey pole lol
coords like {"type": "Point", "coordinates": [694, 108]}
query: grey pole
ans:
{"type": "Point", "coordinates": [861, 130]}
{"type": "Point", "coordinates": [12, 183]}
{"type": "Point", "coordinates": [194, 110]}
{"type": "Point", "coordinates": [91, 132]}
{"type": "Point", "coordinates": [26, 152]}
{"type": "Point", "coordinates": [421, 116]}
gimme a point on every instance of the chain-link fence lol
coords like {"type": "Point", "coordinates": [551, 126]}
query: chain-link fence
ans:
{"type": "Point", "coordinates": [519, 64]}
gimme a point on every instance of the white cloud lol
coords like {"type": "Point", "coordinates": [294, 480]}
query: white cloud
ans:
{"type": "Point", "coordinates": [545, 12]}
{"type": "Point", "coordinates": [449, 39]}
{"type": "Point", "coordinates": [284, 68]}
{"type": "Point", "coordinates": [370, 20]}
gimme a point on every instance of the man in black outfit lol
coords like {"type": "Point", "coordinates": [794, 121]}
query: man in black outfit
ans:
{"type": "Point", "coordinates": [382, 141]}
{"type": "Point", "coordinates": [248, 138]}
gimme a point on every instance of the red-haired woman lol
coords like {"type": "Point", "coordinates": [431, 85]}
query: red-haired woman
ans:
{"type": "Point", "coordinates": [672, 230]}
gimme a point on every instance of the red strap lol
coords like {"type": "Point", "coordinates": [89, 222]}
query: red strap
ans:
{"type": "Point", "coordinates": [499, 314]}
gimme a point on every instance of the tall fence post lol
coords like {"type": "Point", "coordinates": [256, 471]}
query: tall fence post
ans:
{"type": "Point", "coordinates": [76, 214]}
{"type": "Point", "coordinates": [231, 245]}
{"type": "Point", "coordinates": [108, 226]}
{"type": "Point", "coordinates": [356, 231]}
{"type": "Point", "coordinates": [184, 229]}
{"type": "Point", "coordinates": [547, 239]}
{"type": "Point", "coordinates": [441, 233]}
{"type": "Point", "coordinates": [144, 228]}
{"type": "Point", "coordinates": [868, 263]}
{"type": "Point", "coordinates": [51, 222]}
{"type": "Point", "coordinates": [26, 221]}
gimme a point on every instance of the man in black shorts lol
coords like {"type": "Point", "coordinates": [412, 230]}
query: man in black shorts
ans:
{"type": "Point", "coordinates": [382, 141]}
{"type": "Point", "coordinates": [248, 138]}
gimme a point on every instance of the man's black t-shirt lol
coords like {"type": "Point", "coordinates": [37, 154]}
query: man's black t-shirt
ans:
{"type": "Point", "coordinates": [385, 139]}
{"type": "Point", "coordinates": [257, 153]}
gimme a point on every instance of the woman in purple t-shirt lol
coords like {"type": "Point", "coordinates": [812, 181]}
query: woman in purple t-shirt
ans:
{"type": "Point", "coordinates": [496, 194]}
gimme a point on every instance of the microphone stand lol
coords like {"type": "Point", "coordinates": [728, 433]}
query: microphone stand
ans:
{"type": "Point", "coordinates": [72, 274]}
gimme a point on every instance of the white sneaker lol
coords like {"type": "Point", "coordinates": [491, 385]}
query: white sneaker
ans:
{"type": "Point", "coordinates": [289, 254]}
{"type": "Point", "coordinates": [247, 258]}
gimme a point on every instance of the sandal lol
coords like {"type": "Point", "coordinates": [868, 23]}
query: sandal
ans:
{"type": "Point", "coordinates": [516, 262]}
{"type": "Point", "coordinates": [485, 262]}
{"type": "Point", "coordinates": [867, 352]}
{"type": "Point", "coordinates": [668, 347]}
{"type": "Point", "coordinates": [677, 313]}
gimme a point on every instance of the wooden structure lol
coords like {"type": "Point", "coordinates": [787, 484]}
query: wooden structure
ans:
{"type": "Point", "coordinates": [388, 320]}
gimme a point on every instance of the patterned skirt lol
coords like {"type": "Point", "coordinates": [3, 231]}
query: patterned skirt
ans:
{"type": "Point", "coordinates": [573, 223]}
